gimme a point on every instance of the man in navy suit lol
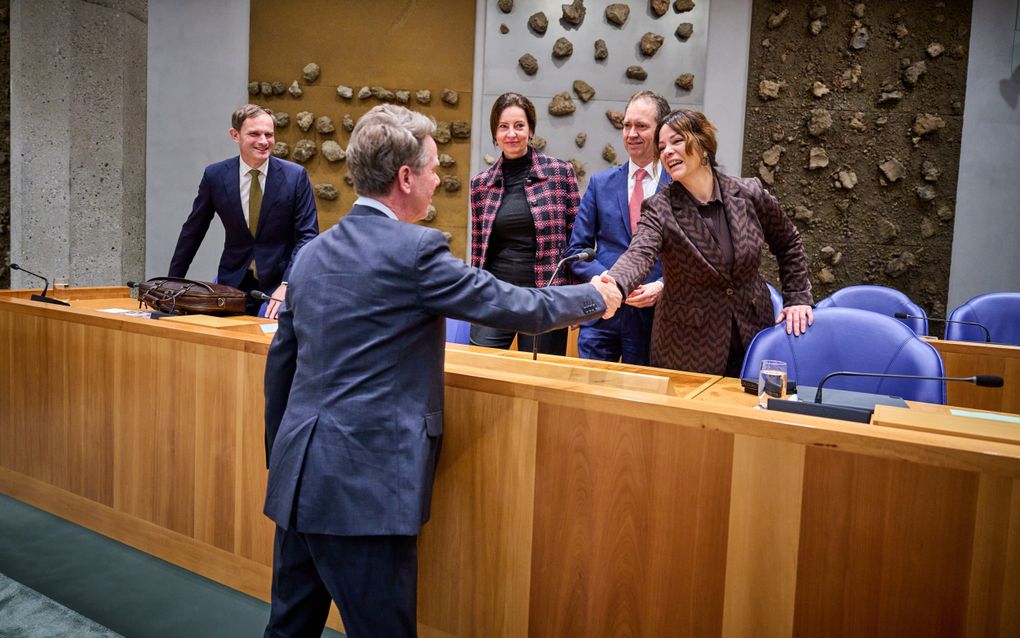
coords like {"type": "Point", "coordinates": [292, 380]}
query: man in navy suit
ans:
{"type": "Point", "coordinates": [354, 385]}
{"type": "Point", "coordinates": [606, 220]}
{"type": "Point", "coordinates": [260, 246]}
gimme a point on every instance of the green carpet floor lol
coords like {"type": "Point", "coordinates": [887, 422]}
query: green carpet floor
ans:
{"type": "Point", "coordinates": [25, 613]}
{"type": "Point", "coordinates": [127, 591]}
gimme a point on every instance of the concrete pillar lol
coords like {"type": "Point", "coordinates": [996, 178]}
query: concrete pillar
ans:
{"type": "Point", "coordinates": [78, 82]}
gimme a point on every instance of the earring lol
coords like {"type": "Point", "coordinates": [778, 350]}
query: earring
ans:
{"type": "Point", "coordinates": [704, 158]}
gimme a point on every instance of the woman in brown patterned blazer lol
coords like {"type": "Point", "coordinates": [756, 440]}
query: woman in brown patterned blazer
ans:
{"type": "Point", "coordinates": [709, 229]}
{"type": "Point", "coordinates": [522, 213]}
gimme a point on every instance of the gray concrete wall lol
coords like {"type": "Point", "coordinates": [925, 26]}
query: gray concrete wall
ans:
{"type": "Point", "coordinates": [198, 70]}
{"type": "Point", "coordinates": [986, 241]}
{"type": "Point", "coordinates": [729, 37]}
{"type": "Point", "coordinates": [78, 140]}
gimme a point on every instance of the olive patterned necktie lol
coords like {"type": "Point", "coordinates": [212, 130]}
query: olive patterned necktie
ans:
{"type": "Point", "coordinates": [254, 208]}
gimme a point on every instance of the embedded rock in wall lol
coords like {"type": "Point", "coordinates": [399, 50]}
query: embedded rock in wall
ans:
{"type": "Point", "coordinates": [818, 158]}
{"type": "Point", "coordinates": [769, 89]}
{"type": "Point", "coordinates": [451, 183]}
{"type": "Point", "coordinates": [294, 90]}
{"type": "Point", "coordinates": [912, 74]}
{"type": "Point", "coordinates": [658, 7]}
{"type": "Point", "coordinates": [423, 96]}
{"type": "Point", "coordinates": [266, 88]}
{"type": "Point", "coordinates": [578, 167]}
{"type": "Point", "coordinates": [900, 264]}
{"type": "Point", "coordinates": [685, 81]}
{"type": "Point", "coordinates": [304, 150]}
{"type": "Point", "coordinates": [819, 122]}
{"type": "Point", "coordinates": [325, 191]}
{"type": "Point", "coordinates": [580, 139]}
{"type": "Point", "coordinates": [253, 88]}
{"type": "Point", "coordinates": [636, 73]}
{"type": "Point", "coordinates": [344, 92]}
{"type": "Point", "coordinates": [650, 44]}
{"type": "Point", "coordinates": [859, 38]}
{"type": "Point", "coordinates": [333, 151]}
{"type": "Point", "coordinates": [506, 6]}
{"type": "Point", "coordinates": [348, 123]}
{"type": "Point", "coordinates": [573, 13]}
{"type": "Point", "coordinates": [528, 64]}
{"type": "Point", "coordinates": [403, 96]}
{"type": "Point", "coordinates": [460, 129]}
{"type": "Point", "coordinates": [488, 159]}
{"type": "Point", "coordinates": [846, 179]}
{"type": "Point", "coordinates": [683, 6]}
{"type": "Point", "coordinates": [776, 20]}
{"type": "Point", "coordinates": [601, 51]}
{"type": "Point", "coordinates": [561, 104]}
{"type": "Point", "coordinates": [609, 153]}
{"type": "Point", "coordinates": [383, 94]}
{"type": "Point", "coordinates": [584, 90]}
{"type": "Point", "coordinates": [818, 89]}
{"type": "Point", "coordinates": [772, 155]}
{"type": "Point", "coordinates": [927, 123]}
{"type": "Point", "coordinates": [279, 88]}
{"type": "Point", "coordinates": [930, 172]}
{"type": "Point", "coordinates": [430, 213]}
{"type": "Point", "coordinates": [443, 133]}
{"type": "Point", "coordinates": [310, 72]}
{"type": "Point", "coordinates": [446, 161]}
{"type": "Point", "coordinates": [364, 93]}
{"type": "Point", "coordinates": [324, 125]}
{"type": "Point", "coordinates": [615, 118]}
{"type": "Point", "coordinates": [538, 142]}
{"type": "Point", "coordinates": [858, 10]}
{"type": "Point", "coordinates": [450, 96]}
{"type": "Point", "coordinates": [887, 230]}
{"type": "Point", "coordinates": [617, 13]}
{"type": "Point", "coordinates": [281, 150]}
{"type": "Point", "coordinates": [281, 119]}
{"type": "Point", "coordinates": [563, 48]}
{"type": "Point", "coordinates": [935, 49]}
{"type": "Point", "coordinates": [538, 23]}
{"type": "Point", "coordinates": [893, 169]}
{"type": "Point", "coordinates": [890, 97]}
{"type": "Point", "coordinates": [925, 192]}
{"type": "Point", "coordinates": [684, 31]}
{"type": "Point", "coordinates": [305, 120]}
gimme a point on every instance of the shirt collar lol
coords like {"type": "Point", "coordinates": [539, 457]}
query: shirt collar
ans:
{"type": "Point", "coordinates": [245, 169]}
{"type": "Point", "coordinates": [376, 204]}
{"type": "Point", "coordinates": [652, 168]}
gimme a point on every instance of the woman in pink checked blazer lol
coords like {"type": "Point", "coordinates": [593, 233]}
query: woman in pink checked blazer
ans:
{"type": "Point", "coordinates": [522, 213]}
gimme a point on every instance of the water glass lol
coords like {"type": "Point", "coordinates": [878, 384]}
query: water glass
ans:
{"type": "Point", "coordinates": [771, 381]}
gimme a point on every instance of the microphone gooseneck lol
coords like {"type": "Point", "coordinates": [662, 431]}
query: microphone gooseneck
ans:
{"type": "Point", "coordinates": [983, 380]}
{"type": "Point", "coordinates": [988, 333]}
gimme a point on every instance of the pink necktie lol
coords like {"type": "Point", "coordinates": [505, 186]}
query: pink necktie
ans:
{"type": "Point", "coordinates": [636, 197]}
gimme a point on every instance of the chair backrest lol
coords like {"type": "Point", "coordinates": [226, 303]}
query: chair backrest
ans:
{"type": "Point", "coordinates": [997, 311]}
{"type": "Point", "coordinates": [852, 340]}
{"type": "Point", "coordinates": [886, 301]}
{"type": "Point", "coordinates": [263, 309]}
{"type": "Point", "coordinates": [458, 331]}
{"type": "Point", "coordinates": [777, 299]}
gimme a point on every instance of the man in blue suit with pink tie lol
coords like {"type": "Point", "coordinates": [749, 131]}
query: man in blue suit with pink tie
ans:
{"type": "Point", "coordinates": [606, 220]}
{"type": "Point", "coordinates": [267, 210]}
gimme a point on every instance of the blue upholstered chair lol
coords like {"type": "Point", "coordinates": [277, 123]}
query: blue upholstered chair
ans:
{"type": "Point", "coordinates": [458, 331]}
{"type": "Point", "coordinates": [263, 309]}
{"type": "Point", "coordinates": [777, 299]}
{"type": "Point", "coordinates": [886, 301]}
{"type": "Point", "coordinates": [852, 340]}
{"type": "Point", "coordinates": [997, 311]}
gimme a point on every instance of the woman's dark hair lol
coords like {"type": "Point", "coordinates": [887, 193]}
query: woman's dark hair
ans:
{"type": "Point", "coordinates": [504, 102]}
{"type": "Point", "coordinates": [696, 129]}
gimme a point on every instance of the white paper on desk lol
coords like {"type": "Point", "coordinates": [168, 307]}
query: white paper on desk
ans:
{"type": "Point", "coordinates": [268, 328]}
{"type": "Point", "coordinates": [127, 312]}
{"type": "Point", "coordinates": [1005, 418]}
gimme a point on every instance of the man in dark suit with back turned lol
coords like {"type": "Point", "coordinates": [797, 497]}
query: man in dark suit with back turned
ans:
{"type": "Point", "coordinates": [354, 386]}
{"type": "Point", "coordinates": [260, 246]}
{"type": "Point", "coordinates": [606, 219]}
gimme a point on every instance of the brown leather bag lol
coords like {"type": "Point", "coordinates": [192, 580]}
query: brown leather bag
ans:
{"type": "Point", "coordinates": [178, 296]}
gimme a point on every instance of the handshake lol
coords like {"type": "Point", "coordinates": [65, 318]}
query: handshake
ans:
{"type": "Point", "coordinates": [610, 292]}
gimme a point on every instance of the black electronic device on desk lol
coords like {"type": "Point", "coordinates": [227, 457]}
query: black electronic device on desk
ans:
{"type": "Point", "coordinates": [859, 406]}
{"type": "Point", "coordinates": [751, 386]}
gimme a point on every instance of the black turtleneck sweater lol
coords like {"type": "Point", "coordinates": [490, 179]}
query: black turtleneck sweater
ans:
{"type": "Point", "coordinates": [512, 243]}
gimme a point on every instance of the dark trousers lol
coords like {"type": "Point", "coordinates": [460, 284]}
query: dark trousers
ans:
{"type": "Point", "coordinates": [554, 342]}
{"type": "Point", "coordinates": [627, 336]}
{"type": "Point", "coordinates": [372, 579]}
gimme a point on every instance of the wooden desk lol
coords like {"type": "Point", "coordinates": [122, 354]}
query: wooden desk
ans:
{"type": "Point", "coordinates": [965, 359]}
{"type": "Point", "coordinates": [564, 505]}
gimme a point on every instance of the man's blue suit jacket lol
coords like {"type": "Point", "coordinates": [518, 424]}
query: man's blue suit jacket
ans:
{"type": "Point", "coordinates": [354, 377]}
{"type": "Point", "coordinates": [603, 222]}
{"type": "Point", "coordinates": [287, 222]}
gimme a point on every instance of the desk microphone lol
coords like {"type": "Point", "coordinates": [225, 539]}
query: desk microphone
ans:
{"type": "Point", "coordinates": [588, 254]}
{"type": "Point", "coordinates": [863, 414]}
{"type": "Point", "coordinates": [261, 296]}
{"type": "Point", "coordinates": [43, 298]}
{"type": "Point", "coordinates": [982, 380]}
{"type": "Point", "coordinates": [988, 334]}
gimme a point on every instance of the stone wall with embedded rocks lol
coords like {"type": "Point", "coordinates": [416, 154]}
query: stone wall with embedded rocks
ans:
{"type": "Point", "coordinates": [854, 118]}
{"type": "Point", "coordinates": [320, 65]}
{"type": "Point", "coordinates": [5, 143]}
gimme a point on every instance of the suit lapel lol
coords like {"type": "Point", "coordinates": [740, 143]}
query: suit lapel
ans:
{"type": "Point", "coordinates": [738, 216]}
{"type": "Point", "coordinates": [692, 225]}
{"type": "Point", "coordinates": [231, 182]}
{"type": "Point", "coordinates": [618, 184]}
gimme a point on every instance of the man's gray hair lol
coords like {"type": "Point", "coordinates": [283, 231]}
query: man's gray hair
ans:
{"type": "Point", "coordinates": [384, 139]}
